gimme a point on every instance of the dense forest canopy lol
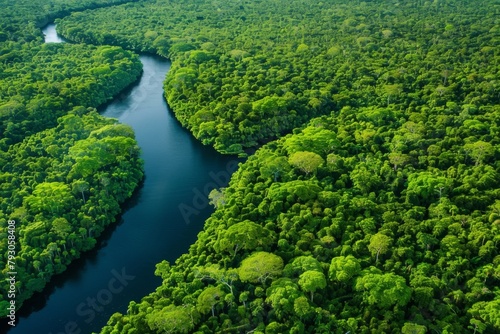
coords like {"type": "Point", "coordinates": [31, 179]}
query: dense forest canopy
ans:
{"type": "Point", "coordinates": [20, 20]}
{"type": "Point", "coordinates": [353, 224]}
{"type": "Point", "coordinates": [247, 71]}
{"type": "Point", "coordinates": [382, 215]}
{"type": "Point", "coordinates": [64, 169]}
{"type": "Point", "coordinates": [377, 211]}
{"type": "Point", "coordinates": [39, 83]}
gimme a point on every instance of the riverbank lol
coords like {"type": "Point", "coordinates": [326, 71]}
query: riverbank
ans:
{"type": "Point", "coordinates": [159, 222]}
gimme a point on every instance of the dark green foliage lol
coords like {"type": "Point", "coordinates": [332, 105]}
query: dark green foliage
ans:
{"type": "Point", "coordinates": [44, 82]}
{"type": "Point", "coordinates": [385, 213]}
{"type": "Point", "coordinates": [20, 20]}
{"type": "Point", "coordinates": [406, 249]}
{"type": "Point", "coordinates": [62, 202]}
{"type": "Point", "coordinates": [380, 216]}
{"type": "Point", "coordinates": [245, 72]}
{"type": "Point", "coordinates": [64, 169]}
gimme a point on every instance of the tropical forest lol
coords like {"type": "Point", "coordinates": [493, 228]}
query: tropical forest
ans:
{"type": "Point", "coordinates": [367, 199]}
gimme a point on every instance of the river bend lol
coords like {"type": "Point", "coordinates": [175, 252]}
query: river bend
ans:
{"type": "Point", "coordinates": [159, 222]}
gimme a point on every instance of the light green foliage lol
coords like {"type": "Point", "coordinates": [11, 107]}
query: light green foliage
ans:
{"type": "Point", "coordinates": [301, 264]}
{"type": "Point", "coordinates": [282, 295]}
{"type": "Point", "coordinates": [80, 187]}
{"type": "Point", "coordinates": [479, 151]}
{"type": "Point", "coordinates": [344, 268]}
{"type": "Point", "coordinates": [215, 273]}
{"type": "Point", "coordinates": [365, 177]}
{"type": "Point", "coordinates": [275, 167]}
{"type": "Point", "coordinates": [61, 227]}
{"type": "Point", "coordinates": [260, 266]}
{"type": "Point", "coordinates": [50, 197]}
{"type": "Point", "coordinates": [172, 319]}
{"type": "Point", "coordinates": [312, 280]}
{"type": "Point", "coordinates": [411, 328]}
{"type": "Point", "coordinates": [208, 299]}
{"type": "Point", "coordinates": [379, 244]}
{"type": "Point", "coordinates": [308, 162]}
{"type": "Point", "coordinates": [488, 312]}
{"type": "Point", "coordinates": [397, 159]}
{"type": "Point", "coordinates": [391, 91]}
{"type": "Point", "coordinates": [163, 269]}
{"type": "Point", "coordinates": [245, 235]}
{"type": "Point", "coordinates": [383, 290]}
{"type": "Point", "coordinates": [427, 186]}
{"type": "Point", "coordinates": [301, 307]}
{"type": "Point", "coordinates": [217, 197]}
{"type": "Point", "coordinates": [297, 189]}
{"type": "Point", "coordinates": [315, 139]}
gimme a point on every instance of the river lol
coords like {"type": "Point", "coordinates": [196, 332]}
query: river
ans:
{"type": "Point", "coordinates": [159, 222]}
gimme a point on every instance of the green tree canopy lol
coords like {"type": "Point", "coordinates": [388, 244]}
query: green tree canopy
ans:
{"type": "Point", "coordinates": [308, 162]}
{"type": "Point", "coordinates": [383, 290]}
{"type": "Point", "coordinates": [260, 266]}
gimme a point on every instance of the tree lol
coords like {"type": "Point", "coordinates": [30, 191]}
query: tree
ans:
{"type": "Point", "coordinates": [488, 312]}
{"type": "Point", "coordinates": [344, 268]}
{"type": "Point", "coordinates": [398, 159]}
{"type": "Point", "coordinates": [365, 177]}
{"type": "Point", "coordinates": [281, 295]}
{"type": "Point", "coordinates": [36, 284]}
{"type": "Point", "coordinates": [162, 44]}
{"type": "Point", "coordinates": [238, 54]}
{"type": "Point", "coordinates": [317, 139]}
{"type": "Point", "coordinates": [81, 187]}
{"type": "Point", "coordinates": [392, 90]}
{"type": "Point", "coordinates": [426, 185]}
{"type": "Point", "coordinates": [301, 307]}
{"type": "Point", "coordinates": [61, 227]}
{"type": "Point", "coordinates": [480, 151]}
{"type": "Point", "coordinates": [220, 275]}
{"type": "Point", "coordinates": [312, 280]}
{"type": "Point", "coordinates": [163, 269]}
{"type": "Point", "coordinates": [208, 299]}
{"type": "Point", "coordinates": [301, 190]}
{"type": "Point", "coordinates": [50, 197]}
{"type": "Point", "coordinates": [300, 265]}
{"type": "Point", "coordinates": [173, 319]}
{"type": "Point", "coordinates": [275, 167]}
{"type": "Point", "coordinates": [383, 290]}
{"type": "Point", "coordinates": [37, 265]}
{"type": "Point", "coordinates": [217, 198]}
{"type": "Point", "coordinates": [245, 235]}
{"type": "Point", "coordinates": [387, 33]}
{"type": "Point", "coordinates": [307, 162]}
{"type": "Point", "coordinates": [411, 328]}
{"type": "Point", "coordinates": [379, 244]}
{"type": "Point", "coordinates": [260, 266]}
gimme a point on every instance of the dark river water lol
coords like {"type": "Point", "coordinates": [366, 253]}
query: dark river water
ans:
{"type": "Point", "coordinates": [159, 222]}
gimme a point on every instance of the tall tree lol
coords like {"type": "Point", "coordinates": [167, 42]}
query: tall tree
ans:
{"type": "Point", "coordinates": [260, 266]}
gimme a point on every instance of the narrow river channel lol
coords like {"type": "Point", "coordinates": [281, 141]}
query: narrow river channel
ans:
{"type": "Point", "coordinates": [159, 222]}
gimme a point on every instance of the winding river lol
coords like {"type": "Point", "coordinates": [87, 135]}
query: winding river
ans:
{"type": "Point", "coordinates": [159, 222]}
